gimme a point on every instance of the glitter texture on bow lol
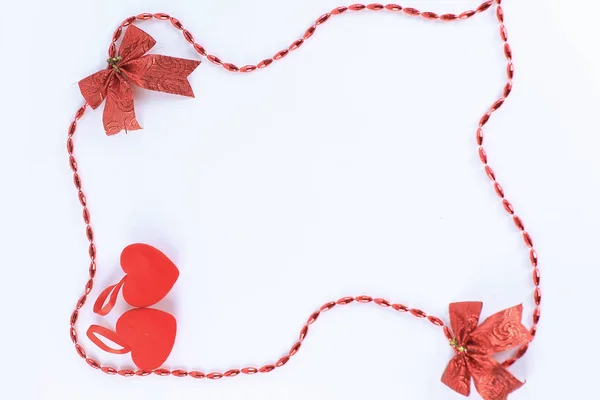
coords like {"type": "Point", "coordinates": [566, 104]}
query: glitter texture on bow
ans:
{"type": "Point", "coordinates": [474, 346]}
{"type": "Point", "coordinates": [131, 66]}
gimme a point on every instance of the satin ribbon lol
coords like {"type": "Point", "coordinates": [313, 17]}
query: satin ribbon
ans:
{"type": "Point", "coordinates": [474, 346]}
{"type": "Point", "coordinates": [101, 307]}
{"type": "Point", "coordinates": [131, 67]}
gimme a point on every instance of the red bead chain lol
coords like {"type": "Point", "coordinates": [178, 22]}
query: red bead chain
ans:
{"type": "Point", "coordinates": [345, 300]}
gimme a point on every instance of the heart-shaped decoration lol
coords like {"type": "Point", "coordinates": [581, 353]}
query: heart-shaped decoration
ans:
{"type": "Point", "coordinates": [150, 275]}
{"type": "Point", "coordinates": [147, 333]}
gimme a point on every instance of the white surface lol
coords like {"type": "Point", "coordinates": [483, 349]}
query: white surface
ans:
{"type": "Point", "coordinates": [348, 168]}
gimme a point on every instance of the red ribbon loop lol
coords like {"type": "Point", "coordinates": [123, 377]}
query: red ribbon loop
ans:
{"type": "Point", "coordinates": [95, 330]}
{"type": "Point", "coordinates": [103, 309]}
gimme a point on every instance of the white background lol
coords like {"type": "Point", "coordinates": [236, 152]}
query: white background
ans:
{"type": "Point", "coordinates": [348, 168]}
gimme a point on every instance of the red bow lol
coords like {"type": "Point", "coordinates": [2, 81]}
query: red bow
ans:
{"type": "Point", "coordinates": [474, 346]}
{"type": "Point", "coordinates": [130, 66]}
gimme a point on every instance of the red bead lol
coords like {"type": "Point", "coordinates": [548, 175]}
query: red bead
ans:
{"type": "Point", "coordinates": [313, 317]}
{"type": "Point", "coordinates": [356, 7]}
{"type": "Point", "coordinates": [281, 54]}
{"type": "Point", "coordinates": [249, 370]}
{"type": "Point", "coordinates": [81, 302]}
{"type": "Point", "coordinates": [364, 299]}
{"type": "Point", "coordinates": [507, 51]}
{"type": "Point", "coordinates": [248, 68]}
{"type": "Point", "coordinates": [117, 34]}
{"type": "Point", "coordinates": [309, 32]}
{"type": "Point", "coordinates": [417, 313]}
{"type": "Point", "coordinates": [109, 370]}
{"type": "Point", "coordinates": [393, 7]}
{"type": "Point", "coordinates": [375, 6]}
{"type": "Point", "coordinates": [162, 372]}
{"type": "Point", "coordinates": [214, 59]}
{"type": "Point", "coordinates": [294, 349]}
{"type": "Point", "coordinates": [382, 302]}
{"type": "Point", "coordinates": [282, 361]}
{"type": "Point", "coordinates": [303, 333]}
{"type": "Point", "coordinates": [479, 136]}
{"type": "Point", "coordinates": [80, 351]}
{"type": "Point", "coordinates": [188, 36]}
{"type": "Point", "coordinates": [484, 6]}
{"type": "Point", "coordinates": [448, 17]}
{"type": "Point", "coordinates": [214, 375]}
{"type": "Point", "coordinates": [266, 368]}
{"type": "Point", "coordinates": [230, 67]}
{"type": "Point", "coordinates": [265, 63]}
{"type": "Point", "coordinates": [296, 44]}
{"type": "Point", "coordinates": [339, 10]}
{"type": "Point", "coordinates": [533, 257]}
{"type": "Point", "coordinates": [536, 277]}
{"type": "Point", "coordinates": [322, 19]}
{"type": "Point", "coordinates": [73, 335]}
{"type": "Point", "coordinates": [430, 15]}
{"type": "Point", "coordinates": [536, 315]}
{"type": "Point", "coordinates": [200, 49]}
{"type": "Point", "coordinates": [400, 307]}
{"type": "Point", "coordinates": [176, 23]}
{"type": "Point", "coordinates": [411, 11]}
{"type": "Point", "coordinates": [93, 363]}
{"type": "Point", "coordinates": [345, 300]}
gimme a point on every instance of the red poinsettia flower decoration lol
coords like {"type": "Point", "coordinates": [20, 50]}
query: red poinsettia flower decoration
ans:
{"type": "Point", "coordinates": [131, 66]}
{"type": "Point", "coordinates": [474, 346]}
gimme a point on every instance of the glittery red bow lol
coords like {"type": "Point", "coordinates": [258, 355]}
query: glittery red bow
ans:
{"type": "Point", "coordinates": [131, 66]}
{"type": "Point", "coordinates": [474, 346]}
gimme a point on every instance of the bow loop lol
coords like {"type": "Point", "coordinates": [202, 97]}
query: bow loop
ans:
{"type": "Point", "coordinates": [135, 44]}
{"type": "Point", "coordinates": [492, 380]}
{"type": "Point", "coordinates": [499, 332]}
{"type": "Point", "coordinates": [464, 318]}
{"type": "Point", "coordinates": [161, 73]}
{"type": "Point", "coordinates": [94, 87]}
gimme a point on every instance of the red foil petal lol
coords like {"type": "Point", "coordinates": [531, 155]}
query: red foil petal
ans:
{"type": "Point", "coordinates": [464, 318]}
{"type": "Point", "coordinates": [457, 376]}
{"type": "Point", "coordinates": [135, 44]}
{"type": "Point", "coordinates": [492, 380]}
{"type": "Point", "coordinates": [502, 331]}
{"type": "Point", "coordinates": [118, 112]}
{"type": "Point", "coordinates": [161, 73]}
{"type": "Point", "coordinates": [94, 87]}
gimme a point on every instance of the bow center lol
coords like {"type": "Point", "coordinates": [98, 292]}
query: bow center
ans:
{"type": "Point", "coordinates": [459, 348]}
{"type": "Point", "coordinates": [113, 61]}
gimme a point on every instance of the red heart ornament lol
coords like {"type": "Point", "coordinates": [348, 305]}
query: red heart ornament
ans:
{"type": "Point", "coordinates": [147, 333]}
{"type": "Point", "coordinates": [150, 275]}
